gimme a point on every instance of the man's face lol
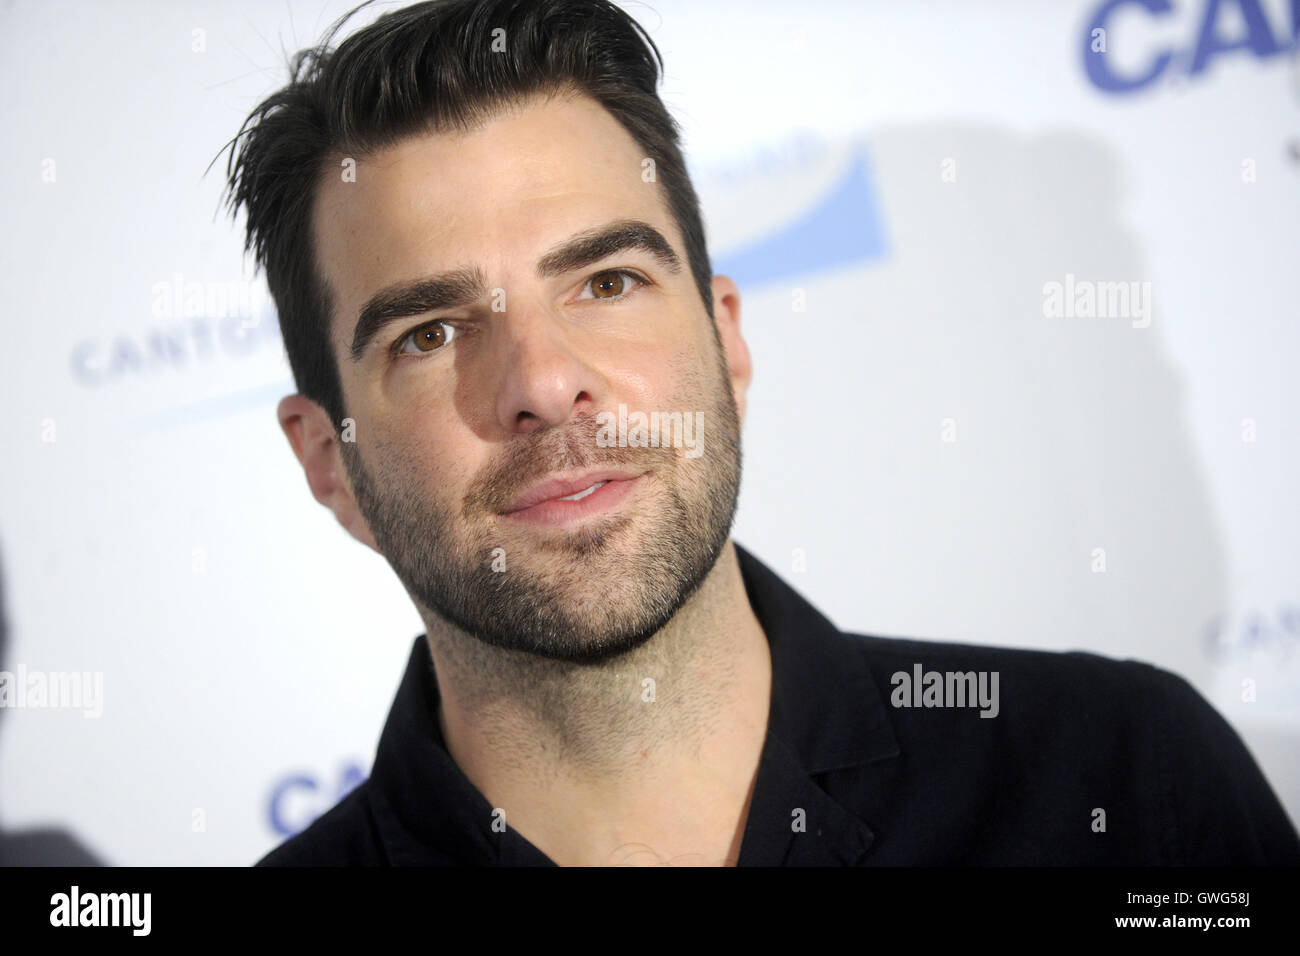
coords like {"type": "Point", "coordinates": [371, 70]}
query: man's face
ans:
{"type": "Point", "coordinates": [470, 393]}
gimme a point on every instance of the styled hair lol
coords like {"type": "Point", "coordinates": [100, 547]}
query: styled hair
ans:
{"type": "Point", "coordinates": [439, 66]}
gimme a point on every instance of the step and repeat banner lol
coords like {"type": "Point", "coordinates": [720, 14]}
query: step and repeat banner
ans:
{"type": "Point", "coordinates": [1019, 282]}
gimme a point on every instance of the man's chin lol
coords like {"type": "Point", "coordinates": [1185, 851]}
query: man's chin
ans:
{"type": "Point", "coordinates": [594, 537]}
{"type": "Point", "coordinates": [579, 641]}
{"type": "Point", "coordinates": [597, 650]}
{"type": "Point", "coordinates": [585, 593]}
{"type": "Point", "coordinates": [576, 612]}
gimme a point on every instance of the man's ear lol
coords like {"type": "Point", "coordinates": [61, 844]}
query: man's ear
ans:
{"type": "Point", "coordinates": [726, 313]}
{"type": "Point", "coordinates": [316, 444]}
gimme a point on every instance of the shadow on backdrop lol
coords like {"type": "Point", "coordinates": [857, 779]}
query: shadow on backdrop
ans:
{"type": "Point", "coordinates": [1070, 507]}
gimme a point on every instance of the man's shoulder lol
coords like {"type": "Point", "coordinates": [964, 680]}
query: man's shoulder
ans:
{"type": "Point", "coordinates": [1072, 715]}
{"type": "Point", "coordinates": [1036, 680]}
{"type": "Point", "coordinates": [346, 835]}
{"type": "Point", "coordinates": [1098, 703]}
{"type": "Point", "coordinates": [1073, 727]}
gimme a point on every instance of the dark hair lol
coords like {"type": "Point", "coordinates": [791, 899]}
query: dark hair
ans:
{"type": "Point", "coordinates": [430, 67]}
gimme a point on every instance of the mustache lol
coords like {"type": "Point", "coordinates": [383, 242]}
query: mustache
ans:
{"type": "Point", "coordinates": [563, 448]}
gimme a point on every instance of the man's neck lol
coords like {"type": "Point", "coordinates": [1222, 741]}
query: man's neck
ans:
{"type": "Point", "coordinates": [648, 758]}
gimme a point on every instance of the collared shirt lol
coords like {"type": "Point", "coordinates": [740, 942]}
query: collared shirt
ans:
{"type": "Point", "coordinates": [882, 751]}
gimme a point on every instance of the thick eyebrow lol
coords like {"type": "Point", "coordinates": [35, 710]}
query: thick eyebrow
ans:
{"type": "Point", "coordinates": [444, 291]}
{"type": "Point", "coordinates": [587, 247]}
{"type": "Point", "coordinates": [466, 285]}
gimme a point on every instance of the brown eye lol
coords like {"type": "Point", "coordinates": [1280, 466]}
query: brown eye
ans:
{"type": "Point", "coordinates": [613, 285]}
{"type": "Point", "coordinates": [607, 285]}
{"type": "Point", "coordinates": [430, 337]}
{"type": "Point", "coordinates": [427, 338]}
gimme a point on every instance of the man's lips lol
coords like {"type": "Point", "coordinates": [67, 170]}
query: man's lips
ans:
{"type": "Point", "coordinates": [566, 486]}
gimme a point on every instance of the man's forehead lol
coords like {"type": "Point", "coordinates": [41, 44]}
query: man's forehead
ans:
{"type": "Point", "coordinates": [534, 155]}
{"type": "Point", "coordinates": [494, 197]}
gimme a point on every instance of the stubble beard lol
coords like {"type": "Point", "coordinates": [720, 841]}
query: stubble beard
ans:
{"type": "Point", "coordinates": [582, 595]}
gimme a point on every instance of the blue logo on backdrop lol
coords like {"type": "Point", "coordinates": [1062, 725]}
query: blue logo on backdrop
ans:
{"type": "Point", "coordinates": [1230, 636]}
{"type": "Point", "coordinates": [844, 228]}
{"type": "Point", "coordinates": [1222, 27]}
{"type": "Point", "coordinates": [175, 346]}
{"type": "Point", "coordinates": [297, 799]}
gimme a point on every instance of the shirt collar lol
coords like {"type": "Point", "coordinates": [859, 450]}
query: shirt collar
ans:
{"type": "Point", "coordinates": [825, 705]}
{"type": "Point", "coordinates": [826, 714]}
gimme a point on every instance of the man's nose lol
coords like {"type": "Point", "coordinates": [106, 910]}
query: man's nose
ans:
{"type": "Point", "coordinates": [544, 380]}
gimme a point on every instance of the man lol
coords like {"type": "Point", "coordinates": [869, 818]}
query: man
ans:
{"type": "Point", "coordinates": [521, 384]}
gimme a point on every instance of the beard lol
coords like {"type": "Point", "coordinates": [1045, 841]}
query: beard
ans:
{"type": "Point", "coordinates": [584, 594]}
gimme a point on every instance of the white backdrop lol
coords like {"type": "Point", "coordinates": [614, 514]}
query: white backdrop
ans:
{"type": "Point", "coordinates": [927, 454]}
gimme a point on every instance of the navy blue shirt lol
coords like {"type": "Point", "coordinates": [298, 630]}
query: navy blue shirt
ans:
{"type": "Point", "coordinates": [1088, 761]}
